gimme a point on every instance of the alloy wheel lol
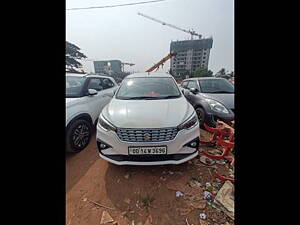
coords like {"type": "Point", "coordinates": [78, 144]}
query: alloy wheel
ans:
{"type": "Point", "coordinates": [81, 135]}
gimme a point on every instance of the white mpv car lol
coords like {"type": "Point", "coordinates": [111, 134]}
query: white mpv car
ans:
{"type": "Point", "coordinates": [86, 95]}
{"type": "Point", "coordinates": [148, 122]}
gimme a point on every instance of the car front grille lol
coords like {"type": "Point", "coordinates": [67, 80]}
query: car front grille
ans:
{"type": "Point", "coordinates": [147, 135]}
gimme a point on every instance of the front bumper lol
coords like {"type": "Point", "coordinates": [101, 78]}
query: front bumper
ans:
{"type": "Point", "coordinates": [177, 150]}
{"type": "Point", "coordinates": [211, 118]}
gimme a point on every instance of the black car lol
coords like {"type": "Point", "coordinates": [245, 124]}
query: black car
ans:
{"type": "Point", "coordinates": [212, 98]}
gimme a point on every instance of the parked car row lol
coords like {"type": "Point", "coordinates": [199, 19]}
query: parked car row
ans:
{"type": "Point", "coordinates": [148, 119]}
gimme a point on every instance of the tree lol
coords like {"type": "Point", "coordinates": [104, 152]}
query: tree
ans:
{"type": "Point", "coordinates": [73, 54]}
{"type": "Point", "coordinates": [203, 72]}
{"type": "Point", "coordinates": [222, 72]}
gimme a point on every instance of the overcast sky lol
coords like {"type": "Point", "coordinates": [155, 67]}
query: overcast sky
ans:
{"type": "Point", "coordinates": [119, 33]}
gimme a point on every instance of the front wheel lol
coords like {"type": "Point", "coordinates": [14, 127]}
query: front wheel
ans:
{"type": "Point", "coordinates": [78, 136]}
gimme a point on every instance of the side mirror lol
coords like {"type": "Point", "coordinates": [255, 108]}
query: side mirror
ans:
{"type": "Point", "coordinates": [194, 90]}
{"type": "Point", "coordinates": [92, 92]}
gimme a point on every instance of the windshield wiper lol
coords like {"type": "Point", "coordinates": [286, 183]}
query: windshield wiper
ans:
{"type": "Point", "coordinates": [169, 96]}
{"type": "Point", "coordinates": [138, 97]}
{"type": "Point", "coordinates": [229, 92]}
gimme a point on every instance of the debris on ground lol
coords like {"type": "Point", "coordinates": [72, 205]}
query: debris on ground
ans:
{"type": "Point", "coordinates": [202, 216]}
{"type": "Point", "coordinates": [187, 222]}
{"type": "Point", "coordinates": [203, 222]}
{"type": "Point", "coordinates": [207, 195]}
{"type": "Point", "coordinates": [225, 198]}
{"type": "Point", "coordinates": [215, 151]}
{"type": "Point", "coordinates": [163, 178]}
{"type": "Point", "coordinates": [127, 176]}
{"type": "Point", "coordinates": [100, 205]}
{"type": "Point", "coordinates": [127, 201]}
{"type": "Point", "coordinates": [179, 194]}
{"type": "Point", "coordinates": [214, 206]}
{"type": "Point", "coordinates": [149, 220]}
{"type": "Point", "coordinates": [207, 161]}
{"type": "Point", "coordinates": [194, 183]}
{"type": "Point", "coordinates": [106, 218]}
{"type": "Point", "coordinates": [221, 162]}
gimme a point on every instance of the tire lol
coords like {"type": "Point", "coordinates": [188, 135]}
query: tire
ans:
{"type": "Point", "coordinates": [78, 136]}
{"type": "Point", "coordinates": [201, 116]}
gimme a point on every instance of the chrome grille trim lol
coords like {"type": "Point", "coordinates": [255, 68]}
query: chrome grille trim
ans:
{"type": "Point", "coordinates": [155, 134]}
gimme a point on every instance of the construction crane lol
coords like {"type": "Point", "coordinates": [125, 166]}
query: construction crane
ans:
{"type": "Point", "coordinates": [161, 62]}
{"type": "Point", "coordinates": [191, 32]}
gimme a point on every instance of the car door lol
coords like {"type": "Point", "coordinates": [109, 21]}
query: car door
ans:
{"type": "Point", "coordinates": [108, 89]}
{"type": "Point", "coordinates": [191, 97]}
{"type": "Point", "coordinates": [95, 103]}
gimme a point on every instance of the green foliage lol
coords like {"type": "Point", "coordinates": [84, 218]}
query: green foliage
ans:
{"type": "Point", "coordinates": [202, 72]}
{"type": "Point", "coordinates": [147, 201]}
{"type": "Point", "coordinates": [222, 72]}
{"type": "Point", "coordinates": [72, 55]}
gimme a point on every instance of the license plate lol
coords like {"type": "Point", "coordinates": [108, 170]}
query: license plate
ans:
{"type": "Point", "coordinates": [151, 150]}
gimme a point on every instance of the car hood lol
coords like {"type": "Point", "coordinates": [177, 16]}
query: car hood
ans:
{"type": "Point", "coordinates": [226, 99]}
{"type": "Point", "coordinates": [147, 113]}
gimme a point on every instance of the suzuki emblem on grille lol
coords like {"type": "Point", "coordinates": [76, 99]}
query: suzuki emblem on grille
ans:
{"type": "Point", "coordinates": [147, 136]}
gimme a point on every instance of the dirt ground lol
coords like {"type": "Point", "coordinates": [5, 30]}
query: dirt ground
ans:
{"type": "Point", "coordinates": [138, 194]}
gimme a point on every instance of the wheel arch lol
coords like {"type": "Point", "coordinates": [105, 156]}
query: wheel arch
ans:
{"type": "Point", "coordinates": [84, 116]}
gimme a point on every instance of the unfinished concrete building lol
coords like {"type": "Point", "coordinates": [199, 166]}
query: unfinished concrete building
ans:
{"type": "Point", "coordinates": [191, 54]}
{"type": "Point", "coordinates": [108, 66]}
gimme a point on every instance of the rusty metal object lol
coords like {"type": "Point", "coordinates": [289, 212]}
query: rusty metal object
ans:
{"type": "Point", "coordinates": [220, 133]}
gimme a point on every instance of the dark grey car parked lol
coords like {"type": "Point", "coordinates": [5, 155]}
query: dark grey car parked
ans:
{"type": "Point", "coordinates": [212, 98]}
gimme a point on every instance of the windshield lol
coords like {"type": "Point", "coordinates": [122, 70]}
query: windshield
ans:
{"type": "Point", "coordinates": [148, 88]}
{"type": "Point", "coordinates": [74, 86]}
{"type": "Point", "coordinates": [216, 86]}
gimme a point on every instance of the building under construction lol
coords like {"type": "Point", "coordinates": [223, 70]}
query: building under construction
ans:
{"type": "Point", "coordinates": [191, 54]}
{"type": "Point", "coordinates": [108, 66]}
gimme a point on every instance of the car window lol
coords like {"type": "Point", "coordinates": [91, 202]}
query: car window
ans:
{"type": "Point", "coordinates": [107, 83]}
{"type": "Point", "coordinates": [192, 84]}
{"type": "Point", "coordinates": [95, 83]}
{"type": "Point", "coordinates": [216, 86]}
{"type": "Point", "coordinates": [184, 84]}
{"type": "Point", "coordinates": [74, 86]}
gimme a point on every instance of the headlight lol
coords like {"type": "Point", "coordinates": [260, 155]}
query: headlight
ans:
{"type": "Point", "coordinates": [107, 126]}
{"type": "Point", "coordinates": [189, 123]}
{"type": "Point", "coordinates": [216, 106]}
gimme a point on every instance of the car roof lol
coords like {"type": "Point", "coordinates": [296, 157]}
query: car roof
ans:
{"type": "Point", "coordinates": [149, 74]}
{"type": "Point", "coordinates": [86, 75]}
